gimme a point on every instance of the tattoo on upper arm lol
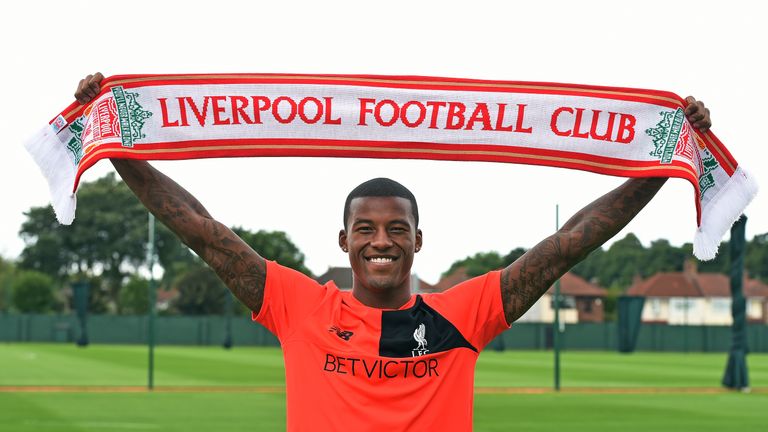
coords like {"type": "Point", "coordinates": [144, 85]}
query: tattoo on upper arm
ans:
{"type": "Point", "coordinates": [528, 278]}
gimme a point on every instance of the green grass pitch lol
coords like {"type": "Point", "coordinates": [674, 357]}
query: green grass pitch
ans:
{"type": "Point", "coordinates": [240, 409]}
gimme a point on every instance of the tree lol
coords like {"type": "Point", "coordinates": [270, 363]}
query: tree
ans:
{"type": "Point", "coordinates": [663, 257]}
{"type": "Point", "coordinates": [512, 256]}
{"type": "Point", "coordinates": [621, 263]}
{"type": "Point", "coordinates": [201, 292]}
{"type": "Point", "coordinates": [720, 264]}
{"type": "Point", "coordinates": [477, 264]}
{"type": "Point", "coordinates": [756, 259]}
{"type": "Point", "coordinates": [7, 270]}
{"type": "Point", "coordinates": [134, 296]}
{"type": "Point", "coordinates": [107, 239]}
{"type": "Point", "coordinates": [276, 246]}
{"type": "Point", "coordinates": [33, 292]}
{"type": "Point", "coordinates": [590, 268]}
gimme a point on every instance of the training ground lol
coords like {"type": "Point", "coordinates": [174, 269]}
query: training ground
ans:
{"type": "Point", "coordinates": [57, 387]}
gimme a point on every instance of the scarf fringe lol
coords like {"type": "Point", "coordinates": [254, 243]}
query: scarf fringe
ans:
{"type": "Point", "coordinates": [58, 168]}
{"type": "Point", "coordinates": [723, 211]}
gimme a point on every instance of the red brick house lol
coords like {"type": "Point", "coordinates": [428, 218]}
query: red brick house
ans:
{"type": "Point", "coordinates": [693, 298]}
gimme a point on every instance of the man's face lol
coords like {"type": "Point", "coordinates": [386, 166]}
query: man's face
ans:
{"type": "Point", "coordinates": [381, 238]}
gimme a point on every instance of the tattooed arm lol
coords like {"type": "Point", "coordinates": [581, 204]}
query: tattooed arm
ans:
{"type": "Point", "coordinates": [530, 276]}
{"type": "Point", "coordinates": [239, 266]}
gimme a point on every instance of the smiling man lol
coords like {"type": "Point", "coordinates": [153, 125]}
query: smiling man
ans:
{"type": "Point", "coordinates": [379, 358]}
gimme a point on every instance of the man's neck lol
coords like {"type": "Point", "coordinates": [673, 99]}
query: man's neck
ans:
{"type": "Point", "coordinates": [393, 299]}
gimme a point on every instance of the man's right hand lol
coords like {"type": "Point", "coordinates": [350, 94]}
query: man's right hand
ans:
{"type": "Point", "coordinates": [89, 87]}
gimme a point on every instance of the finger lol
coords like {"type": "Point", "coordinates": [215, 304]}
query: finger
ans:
{"type": "Point", "coordinates": [88, 88]}
{"type": "Point", "coordinates": [95, 81]}
{"type": "Point", "coordinates": [703, 125]}
{"type": "Point", "coordinates": [693, 105]}
{"type": "Point", "coordinates": [697, 116]}
{"type": "Point", "coordinates": [83, 90]}
{"type": "Point", "coordinates": [706, 122]}
{"type": "Point", "coordinates": [79, 92]}
{"type": "Point", "coordinates": [94, 87]}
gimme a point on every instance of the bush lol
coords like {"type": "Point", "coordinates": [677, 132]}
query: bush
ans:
{"type": "Point", "coordinates": [33, 292]}
{"type": "Point", "coordinates": [134, 297]}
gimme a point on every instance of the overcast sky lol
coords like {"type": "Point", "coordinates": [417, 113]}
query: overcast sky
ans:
{"type": "Point", "coordinates": [714, 51]}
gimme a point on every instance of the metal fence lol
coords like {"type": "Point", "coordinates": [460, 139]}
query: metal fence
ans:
{"type": "Point", "coordinates": [212, 330]}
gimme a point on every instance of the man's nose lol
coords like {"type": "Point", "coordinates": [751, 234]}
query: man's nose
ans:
{"type": "Point", "coordinates": [381, 239]}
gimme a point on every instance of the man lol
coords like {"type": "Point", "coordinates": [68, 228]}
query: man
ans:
{"type": "Point", "coordinates": [378, 357]}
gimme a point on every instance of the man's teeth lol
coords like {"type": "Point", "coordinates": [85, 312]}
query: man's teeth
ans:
{"type": "Point", "coordinates": [381, 260]}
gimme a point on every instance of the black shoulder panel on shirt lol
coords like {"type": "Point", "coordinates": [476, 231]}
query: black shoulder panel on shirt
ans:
{"type": "Point", "coordinates": [416, 331]}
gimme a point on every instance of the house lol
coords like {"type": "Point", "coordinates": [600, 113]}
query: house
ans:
{"type": "Point", "coordinates": [693, 298]}
{"type": "Point", "coordinates": [342, 277]}
{"type": "Point", "coordinates": [165, 298]}
{"type": "Point", "coordinates": [455, 277]}
{"type": "Point", "coordinates": [581, 300]}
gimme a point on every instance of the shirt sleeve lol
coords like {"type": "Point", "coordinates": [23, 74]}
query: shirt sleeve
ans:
{"type": "Point", "coordinates": [474, 307]}
{"type": "Point", "coordinates": [289, 297]}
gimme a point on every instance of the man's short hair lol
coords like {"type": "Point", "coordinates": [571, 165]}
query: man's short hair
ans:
{"type": "Point", "coordinates": [381, 187]}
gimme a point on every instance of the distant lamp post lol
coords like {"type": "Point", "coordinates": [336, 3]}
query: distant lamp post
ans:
{"type": "Point", "coordinates": [152, 295]}
{"type": "Point", "coordinates": [228, 306]}
{"type": "Point", "coordinates": [81, 289]}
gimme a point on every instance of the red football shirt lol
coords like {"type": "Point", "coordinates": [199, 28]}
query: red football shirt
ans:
{"type": "Point", "coordinates": [352, 367]}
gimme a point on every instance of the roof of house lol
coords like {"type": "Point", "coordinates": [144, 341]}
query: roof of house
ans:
{"type": "Point", "coordinates": [341, 276]}
{"type": "Point", "coordinates": [457, 276]}
{"type": "Point", "coordinates": [166, 295]}
{"type": "Point", "coordinates": [690, 283]}
{"type": "Point", "coordinates": [570, 284]}
{"type": "Point", "coordinates": [573, 285]}
{"type": "Point", "coordinates": [755, 288]}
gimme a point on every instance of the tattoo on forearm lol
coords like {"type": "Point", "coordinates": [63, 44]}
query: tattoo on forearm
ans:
{"type": "Point", "coordinates": [528, 278]}
{"type": "Point", "coordinates": [241, 269]}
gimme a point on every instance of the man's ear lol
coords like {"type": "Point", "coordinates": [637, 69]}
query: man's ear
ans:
{"type": "Point", "coordinates": [419, 240]}
{"type": "Point", "coordinates": [343, 240]}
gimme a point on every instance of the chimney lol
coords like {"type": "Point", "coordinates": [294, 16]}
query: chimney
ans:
{"type": "Point", "coordinates": [689, 267]}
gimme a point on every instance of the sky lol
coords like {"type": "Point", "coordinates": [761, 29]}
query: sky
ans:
{"type": "Point", "coordinates": [714, 51]}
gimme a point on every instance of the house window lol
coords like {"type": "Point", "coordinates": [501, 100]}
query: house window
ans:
{"type": "Point", "coordinates": [656, 307]}
{"type": "Point", "coordinates": [588, 304]}
{"type": "Point", "coordinates": [682, 304]}
{"type": "Point", "coordinates": [721, 306]}
{"type": "Point", "coordinates": [566, 302]}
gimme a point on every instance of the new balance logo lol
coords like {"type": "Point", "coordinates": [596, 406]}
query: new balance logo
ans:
{"type": "Point", "coordinates": [344, 334]}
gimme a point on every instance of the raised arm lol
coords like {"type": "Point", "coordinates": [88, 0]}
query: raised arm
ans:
{"type": "Point", "coordinates": [524, 281]}
{"type": "Point", "coordinates": [239, 266]}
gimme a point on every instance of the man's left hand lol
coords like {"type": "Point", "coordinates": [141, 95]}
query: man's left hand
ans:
{"type": "Point", "coordinates": [698, 114]}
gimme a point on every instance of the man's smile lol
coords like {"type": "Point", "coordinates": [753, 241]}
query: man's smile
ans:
{"type": "Point", "coordinates": [381, 259]}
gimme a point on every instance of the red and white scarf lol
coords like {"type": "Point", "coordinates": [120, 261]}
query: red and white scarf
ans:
{"type": "Point", "coordinates": [616, 131]}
